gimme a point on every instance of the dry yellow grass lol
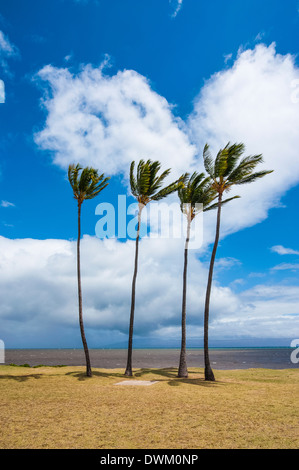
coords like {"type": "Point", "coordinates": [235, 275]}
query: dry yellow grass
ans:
{"type": "Point", "coordinates": [56, 408]}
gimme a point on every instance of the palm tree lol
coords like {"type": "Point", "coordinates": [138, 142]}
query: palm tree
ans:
{"type": "Point", "coordinates": [86, 185]}
{"type": "Point", "coordinates": [195, 196]}
{"type": "Point", "coordinates": [225, 172]}
{"type": "Point", "coordinates": [145, 187]}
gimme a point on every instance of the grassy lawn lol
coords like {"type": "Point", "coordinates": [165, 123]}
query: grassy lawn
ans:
{"type": "Point", "coordinates": [50, 407]}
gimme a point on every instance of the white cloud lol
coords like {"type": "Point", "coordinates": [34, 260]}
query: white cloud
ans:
{"type": "Point", "coordinates": [286, 266]}
{"type": "Point", "coordinates": [6, 47]}
{"type": "Point", "coordinates": [281, 250]}
{"type": "Point", "coordinates": [7, 50]}
{"type": "Point", "coordinates": [109, 121]}
{"type": "Point", "coordinates": [7, 204]}
{"type": "Point", "coordinates": [226, 263]}
{"type": "Point", "coordinates": [227, 57]}
{"type": "Point", "coordinates": [259, 36]}
{"type": "Point", "coordinates": [68, 57]}
{"type": "Point", "coordinates": [251, 102]}
{"type": "Point", "coordinates": [2, 92]}
{"type": "Point", "coordinates": [267, 311]}
{"type": "Point", "coordinates": [38, 288]}
{"type": "Point", "coordinates": [177, 5]}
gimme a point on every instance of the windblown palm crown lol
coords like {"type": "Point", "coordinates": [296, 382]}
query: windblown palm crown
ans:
{"type": "Point", "coordinates": [89, 184]}
{"type": "Point", "coordinates": [146, 186]}
{"type": "Point", "coordinates": [196, 190]}
{"type": "Point", "coordinates": [225, 171]}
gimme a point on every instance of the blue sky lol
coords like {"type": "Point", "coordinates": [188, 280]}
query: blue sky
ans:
{"type": "Point", "coordinates": [204, 71]}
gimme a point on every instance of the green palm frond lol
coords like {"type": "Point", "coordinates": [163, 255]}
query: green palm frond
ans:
{"type": "Point", "coordinates": [87, 184]}
{"type": "Point", "coordinates": [139, 172]}
{"type": "Point", "coordinates": [234, 152]}
{"type": "Point", "coordinates": [197, 190]}
{"type": "Point", "coordinates": [254, 177]}
{"type": "Point", "coordinates": [227, 158]}
{"type": "Point", "coordinates": [147, 185]}
{"type": "Point", "coordinates": [145, 178]}
{"type": "Point", "coordinates": [133, 182]}
{"type": "Point", "coordinates": [96, 186]}
{"type": "Point", "coordinates": [158, 182]}
{"type": "Point", "coordinates": [208, 161]}
{"type": "Point", "coordinates": [171, 188]}
{"type": "Point", "coordinates": [227, 172]}
{"type": "Point", "coordinates": [220, 165]}
{"type": "Point", "coordinates": [154, 169]}
{"type": "Point", "coordinates": [73, 172]}
{"type": "Point", "coordinates": [245, 167]}
{"type": "Point", "coordinates": [215, 206]}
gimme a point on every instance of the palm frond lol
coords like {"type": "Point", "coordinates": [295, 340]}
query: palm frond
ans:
{"type": "Point", "coordinates": [154, 169]}
{"type": "Point", "coordinates": [147, 185]}
{"type": "Point", "coordinates": [215, 206]}
{"type": "Point", "coordinates": [73, 171]}
{"type": "Point", "coordinates": [97, 186]}
{"type": "Point", "coordinates": [158, 181]}
{"type": "Point", "coordinates": [234, 153]}
{"type": "Point", "coordinates": [208, 161]}
{"type": "Point", "coordinates": [144, 178]}
{"type": "Point", "coordinates": [171, 188]}
{"type": "Point", "coordinates": [220, 165]}
{"type": "Point", "coordinates": [87, 184]}
{"type": "Point", "coordinates": [245, 167]}
{"type": "Point", "coordinates": [197, 190]}
{"type": "Point", "coordinates": [254, 177]}
{"type": "Point", "coordinates": [138, 177]}
{"type": "Point", "coordinates": [84, 180]}
{"type": "Point", "coordinates": [227, 171]}
{"type": "Point", "coordinates": [133, 182]}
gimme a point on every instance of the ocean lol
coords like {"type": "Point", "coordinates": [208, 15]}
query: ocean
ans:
{"type": "Point", "coordinates": [221, 358]}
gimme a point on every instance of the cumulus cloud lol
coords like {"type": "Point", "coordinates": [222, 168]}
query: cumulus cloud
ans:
{"type": "Point", "coordinates": [267, 311]}
{"type": "Point", "coordinates": [38, 289]}
{"type": "Point", "coordinates": [251, 102]}
{"type": "Point", "coordinates": [108, 121]}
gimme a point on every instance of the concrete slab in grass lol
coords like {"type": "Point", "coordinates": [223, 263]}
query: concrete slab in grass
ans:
{"type": "Point", "coordinates": [137, 382]}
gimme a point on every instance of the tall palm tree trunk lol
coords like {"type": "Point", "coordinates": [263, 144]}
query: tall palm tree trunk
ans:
{"type": "Point", "coordinates": [209, 375]}
{"type": "Point", "coordinates": [183, 371]}
{"type": "Point", "coordinates": [88, 366]}
{"type": "Point", "coordinates": [128, 371]}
